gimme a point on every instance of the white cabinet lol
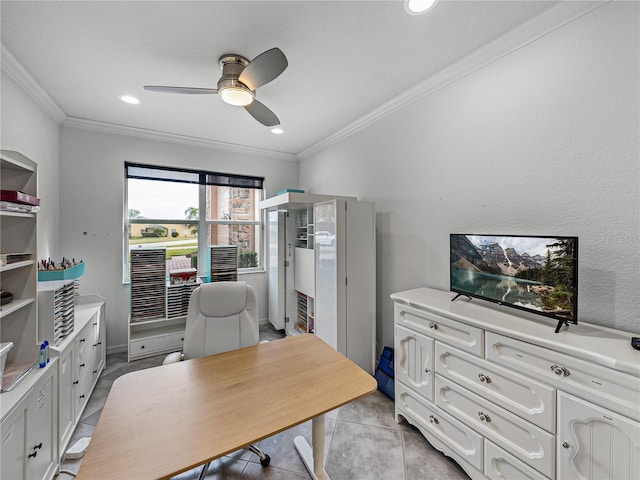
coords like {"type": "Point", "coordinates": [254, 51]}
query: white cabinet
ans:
{"type": "Point", "coordinates": [321, 252]}
{"type": "Point", "coordinates": [81, 360]}
{"type": "Point", "coordinates": [28, 433]}
{"type": "Point", "coordinates": [509, 399]}
{"type": "Point", "coordinates": [345, 273]}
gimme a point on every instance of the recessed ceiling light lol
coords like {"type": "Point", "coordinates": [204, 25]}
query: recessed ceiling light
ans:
{"type": "Point", "coordinates": [277, 131]}
{"type": "Point", "coordinates": [129, 99]}
{"type": "Point", "coordinates": [418, 7]}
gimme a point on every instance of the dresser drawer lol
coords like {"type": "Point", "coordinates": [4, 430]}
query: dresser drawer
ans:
{"type": "Point", "coordinates": [460, 335]}
{"type": "Point", "coordinates": [157, 344]}
{"type": "Point", "coordinates": [456, 435]}
{"type": "Point", "coordinates": [528, 398]}
{"type": "Point", "coordinates": [527, 442]}
{"type": "Point", "coordinates": [414, 361]}
{"type": "Point", "coordinates": [501, 465]}
{"type": "Point", "coordinates": [610, 388]}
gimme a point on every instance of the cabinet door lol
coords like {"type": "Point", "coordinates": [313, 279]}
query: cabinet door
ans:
{"type": "Point", "coordinates": [41, 441]}
{"type": "Point", "coordinates": [12, 457]}
{"type": "Point", "coordinates": [276, 255]}
{"type": "Point", "coordinates": [595, 443]}
{"type": "Point", "coordinates": [330, 275]}
{"type": "Point", "coordinates": [66, 389]}
{"type": "Point", "coordinates": [414, 361]}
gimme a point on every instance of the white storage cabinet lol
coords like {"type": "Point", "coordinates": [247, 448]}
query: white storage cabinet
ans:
{"type": "Point", "coordinates": [28, 432]}
{"type": "Point", "coordinates": [507, 398]}
{"type": "Point", "coordinates": [81, 360]}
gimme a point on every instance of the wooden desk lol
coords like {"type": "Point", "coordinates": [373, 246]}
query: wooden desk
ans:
{"type": "Point", "coordinates": [165, 420]}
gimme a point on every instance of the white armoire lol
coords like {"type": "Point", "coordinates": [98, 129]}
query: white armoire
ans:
{"type": "Point", "coordinates": [321, 263]}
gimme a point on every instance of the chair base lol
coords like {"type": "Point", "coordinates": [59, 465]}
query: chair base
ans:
{"type": "Point", "coordinates": [265, 460]}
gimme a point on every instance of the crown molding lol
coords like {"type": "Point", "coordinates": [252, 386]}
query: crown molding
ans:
{"type": "Point", "coordinates": [18, 74]}
{"type": "Point", "coordinates": [545, 22]}
{"type": "Point", "coordinates": [174, 138]}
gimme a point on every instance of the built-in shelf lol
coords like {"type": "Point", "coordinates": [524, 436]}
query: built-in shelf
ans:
{"type": "Point", "coordinates": [14, 306]}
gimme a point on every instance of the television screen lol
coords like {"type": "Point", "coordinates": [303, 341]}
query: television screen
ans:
{"type": "Point", "coordinates": [533, 273]}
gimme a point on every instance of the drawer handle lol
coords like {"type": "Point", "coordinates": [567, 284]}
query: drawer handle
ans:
{"type": "Point", "coordinates": [426, 370]}
{"type": "Point", "coordinates": [37, 447]}
{"type": "Point", "coordinates": [82, 365]}
{"type": "Point", "coordinates": [433, 326]}
{"type": "Point", "coordinates": [32, 455]}
{"type": "Point", "coordinates": [562, 371]}
{"type": "Point", "coordinates": [483, 378]}
{"type": "Point", "coordinates": [433, 420]}
{"type": "Point", "coordinates": [96, 344]}
{"type": "Point", "coordinates": [82, 396]}
{"type": "Point", "coordinates": [484, 417]}
{"type": "Point", "coordinates": [76, 382]}
{"type": "Point", "coordinates": [95, 323]}
{"type": "Point", "coordinates": [95, 371]}
{"type": "Point", "coordinates": [565, 445]}
{"type": "Point", "coordinates": [82, 340]}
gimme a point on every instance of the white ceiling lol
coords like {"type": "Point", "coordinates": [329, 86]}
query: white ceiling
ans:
{"type": "Point", "coordinates": [345, 58]}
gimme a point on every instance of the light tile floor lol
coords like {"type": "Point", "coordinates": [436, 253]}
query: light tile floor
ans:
{"type": "Point", "coordinates": [363, 441]}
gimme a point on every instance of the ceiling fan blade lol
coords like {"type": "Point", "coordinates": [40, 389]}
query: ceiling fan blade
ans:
{"type": "Point", "coordinates": [262, 114]}
{"type": "Point", "coordinates": [188, 90]}
{"type": "Point", "coordinates": [264, 68]}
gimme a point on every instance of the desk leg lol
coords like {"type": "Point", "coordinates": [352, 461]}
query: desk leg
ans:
{"type": "Point", "coordinates": [313, 460]}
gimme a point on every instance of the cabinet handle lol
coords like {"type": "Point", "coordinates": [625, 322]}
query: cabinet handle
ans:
{"type": "Point", "coordinates": [82, 340]}
{"type": "Point", "coordinates": [484, 417]}
{"type": "Point", "coordinates": [433, 326]}
{"type": "Point", "coordinates": [96, 344]}
{"type": "Point", "coordinates": [433, 420]}
{"type": "Point", "coordinates": [426, 370]}
{"type": "Point", "coordinates": [76, 382]}
{"type": "Point", "coordinates": [562, 371]}
{"type": "Point", "coordinates": [95, 371]}
{"type": "Point", "coordinates": [565, 445]}
{"type": "Point", "coordinates": [81, 365]}
{"type": "Point", "coordinates": [483, 378]}
{"type": "Point", "coordinates": [82, 396]}
{"type": "Point", "coordinates": [95, 323]}
{"type": "Point", "coordinates": [37, 447]}
{"type": "Point", "coordinates": [141, 347]}
{"type": "Point", "coordinates": [32, 455]}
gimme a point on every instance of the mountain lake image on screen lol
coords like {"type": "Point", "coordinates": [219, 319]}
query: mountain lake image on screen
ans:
{"type": "Point", "coordinates": [538, 274]}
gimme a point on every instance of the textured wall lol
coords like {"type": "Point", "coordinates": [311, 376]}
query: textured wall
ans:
{"type": "Point", "coordinates": [541, 141]}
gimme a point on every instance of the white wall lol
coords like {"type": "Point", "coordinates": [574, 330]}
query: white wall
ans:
{"type": "Point", "coordinates": [26, 128]}
{"type": "Point", "coordinates": [541, 141]}
{"type": "Point", "coordinates": [92, 205]}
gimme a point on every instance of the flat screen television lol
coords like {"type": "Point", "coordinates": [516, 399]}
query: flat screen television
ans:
{"type": "Point", "coordinates": [533, 273]}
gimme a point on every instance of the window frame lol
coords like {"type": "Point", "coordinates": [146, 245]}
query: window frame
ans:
{"type": "Point", "coordinates": [204, 181]}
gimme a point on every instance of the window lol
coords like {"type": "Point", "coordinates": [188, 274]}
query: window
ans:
{"type": "Point", "coordinates": [185, 211]}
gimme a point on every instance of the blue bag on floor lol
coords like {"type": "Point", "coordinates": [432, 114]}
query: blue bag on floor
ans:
{"type": "Point", "coordinates": [384, 373]}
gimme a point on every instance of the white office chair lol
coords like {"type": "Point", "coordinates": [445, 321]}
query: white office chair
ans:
{"type": "Point", "coordinates": [222, 316]}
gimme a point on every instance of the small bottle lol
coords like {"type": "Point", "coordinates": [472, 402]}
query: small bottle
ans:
{"type": "Point", "coordinates": [42, 360]}
{"type": "Point", "coordinates": [46, 348]}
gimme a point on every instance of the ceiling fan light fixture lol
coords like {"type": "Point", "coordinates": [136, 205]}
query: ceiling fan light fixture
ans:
{"type": "Point", "coordinates": [418, 7]}
{"type": "Point", "coordinates": [237, 95]}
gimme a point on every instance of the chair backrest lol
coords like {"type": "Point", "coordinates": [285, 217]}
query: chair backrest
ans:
{"type": "Point", "coordinates": [222, 316]}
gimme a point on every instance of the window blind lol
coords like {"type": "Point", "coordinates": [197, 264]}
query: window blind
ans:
{"type": "Point", "coordinates": [201, 177]}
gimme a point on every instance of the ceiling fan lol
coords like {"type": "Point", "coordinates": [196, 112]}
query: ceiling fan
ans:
{"type": "Point", "coordinates": [239, 81]}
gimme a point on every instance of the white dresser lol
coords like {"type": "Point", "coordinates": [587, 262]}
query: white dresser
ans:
{"type": "Point", "coordinates": [508, 398]}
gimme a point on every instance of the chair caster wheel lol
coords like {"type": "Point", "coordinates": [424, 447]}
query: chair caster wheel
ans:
{"type": "Point", "coordinates": [265, 461]}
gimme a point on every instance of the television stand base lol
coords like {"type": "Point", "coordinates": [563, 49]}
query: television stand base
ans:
{"type": "Point", "coordinates": [560, 322]}
{"type": "Point", "coordinates": [460, 295]}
